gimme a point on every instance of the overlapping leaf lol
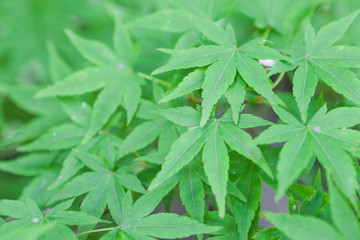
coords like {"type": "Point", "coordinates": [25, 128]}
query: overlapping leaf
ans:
{"type": "Point", "coordinates": [223, 59]}
{"type": "Point", "coordinates": [320, 137]}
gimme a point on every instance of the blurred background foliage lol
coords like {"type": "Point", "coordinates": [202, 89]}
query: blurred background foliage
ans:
{"type": "Point", "coordinates": [29, 27]}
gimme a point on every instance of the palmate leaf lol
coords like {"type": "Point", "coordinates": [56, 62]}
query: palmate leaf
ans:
{"type": "Point", "coordinates": [138, 225]}
{"type": "Point", "coordinates": [215, 156]}
{"type": "Point", "coordinates": [100, 186]}
{"type": "Point", "coordinates": [328, 64]}
{"type": "Point", "coordinates": [325, 145]}
{"type": "Point", "coordinates": [120, 87]}
{"type": "Point", "coordinates": [56, 217]}
{"type": "Point", "coordinates": [224, 59]}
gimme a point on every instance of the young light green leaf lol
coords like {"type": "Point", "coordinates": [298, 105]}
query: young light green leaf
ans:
{"type": "Point", "coordinates": [193, 57]}
{"type": "Point", "coordinates": [244, 212]}
{"type": "Point", "coordinates": [190, 83]}
{"type": "Point", "coordinates": [212, 31]}
{"type": "Point", "coordinates": [341, 56]}
{"type": "Point", "coordinates": [299, 227]}
{"type": "Point", "coordinates": [343, 216]}
{"type": "Point", "coordinates": [340, 79]}
{"type": "Point", "coordinates": [294, 157]}
{"type": "Point", "coordinates": [132, 97]}
{"type": "Point", "coordinates": [23, 96]}
{"type": "Point", "coordinates": [72, 165]}
{"type": "Point", "coordinates": [93, 51]}
{"type": "Point", "coordinates": [278, 133]}
{"type": "Point", "coordinates": [181, 153]}
{"type": "Point", "coordinates": [80, 82]}
{"type": "Point", "coordinates": [242, 142]}
{"type": "Point", "coordinates": [122, 43]}
{"type": "Point", "coordinates": [61, 137]}
{"type": "Point", "coordinates": [216, 166]}
{"type": "Point", "coordinates": [167, 137]}
{"type": "Point", "coordinates": [236, 96]}
{"type": "Point", "coordinates": [331, 33]}
{"type": "Point", "coordinates": [250, 121]}
{"type": "Point", "coordinates": [218, 77]}
{"type": "Point", "coordinates": [148, 202]}
{"type": "Point", "coordinates": [341, 117]}
{"type": "Point", "coordinates": [78, 186]}
{"type": "Point", "coordinates": [28, 165]}
{"type": "Point", "coordinates": [168, 225]}
{"type": "Point", "coordinates": [281, 66]}
{"type": "Point", "coordinates": [17, 209]}
{"type": "Point", "coordinates": [78, 111]}
{"type": "Point", "coordinates": [261, 52]}
{"type": "Point", "coordinates": [255, 76]}
{"type": "Point", "coordinates": [30, 129]}
{"type": "Point", "coordinates": [168, 20]}
{"type": "Point", "coordinates": [115, 196]}
{"type": "Point", "coordinates": [105, 105]}
{"type": "Point", "coordinates": [73, 218]}
{"type": "Point", "coordinates": [95, 201]}
{"type": "Point", "coordinates": [92, 161]}
{"type": "Point", "coordinates": [337, 162]}
{"type": "Point", "coordinates": [192, 194]}
{"type": "Point", "coordinates": [129, 181]}
{"type": "Point", "coordinates": [183, 116]}
{"type": "Point", "coordinates": [143, 135]}
{"type": "Point", "coordinates": [305, 81]}
{"type": "Point", "coordinates": [58, 69]}
{"type": "Point", "coordinates": [309, 37]}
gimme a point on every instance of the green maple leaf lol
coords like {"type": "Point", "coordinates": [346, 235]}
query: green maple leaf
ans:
{"type": "Point", "coordinates": [224, 60]}
{"type": "Point", "coordinates": [213, 137]}
{"type": "Point", "coordinates": [323, 136]}
{"type": "Point", "coordinates": [344, 221]}
{"type": "Point", "coordinates": [319, 59]}
{"type": "Point", "coordinates": [103, 185]}
{"type": "Point", "coordinates": [138, 224]}
{"type": "Point", "coordinates": [113, 74]}
{"type": "Point", "coordinates": [28, 214]}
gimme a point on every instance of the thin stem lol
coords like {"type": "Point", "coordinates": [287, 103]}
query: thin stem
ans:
{"type": "Point", "coordinates": [96, 230]}
{"type": "Point", "coordinates": [154, 79]}
{"type": "Point", "coordinates": [278, 80]}
{"type": "Point", "coordinates": [266, 34]}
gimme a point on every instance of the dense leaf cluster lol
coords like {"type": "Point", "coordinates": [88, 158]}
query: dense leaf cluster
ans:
{"type": "Point", "coordinates": [106, 141]}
